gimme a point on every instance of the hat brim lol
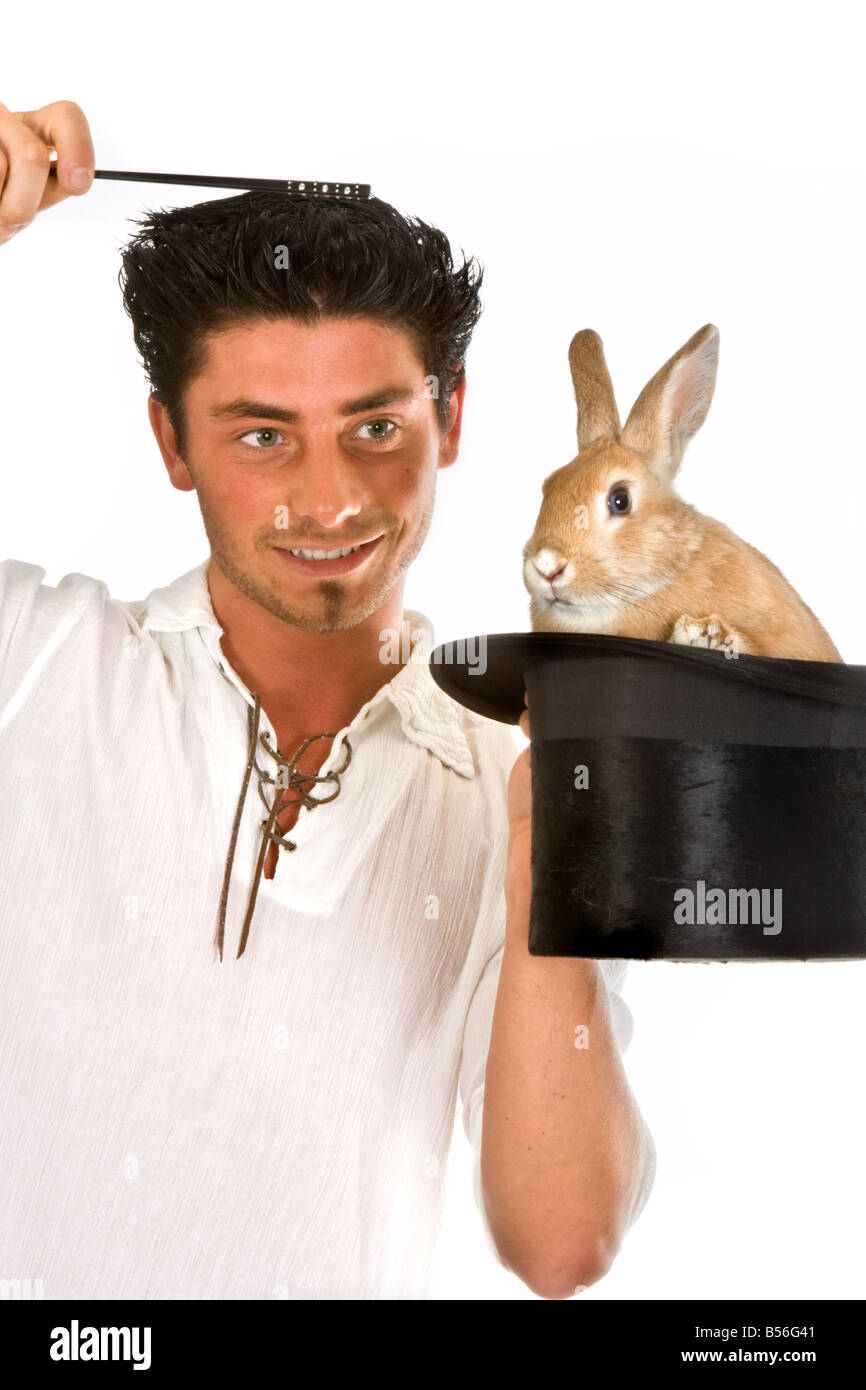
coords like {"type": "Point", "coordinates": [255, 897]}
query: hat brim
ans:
{"type": "Point", "coordinates": [487, 672]}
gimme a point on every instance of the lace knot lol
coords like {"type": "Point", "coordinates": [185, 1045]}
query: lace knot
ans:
{"type": "Point", "coordinates": [289, 778]}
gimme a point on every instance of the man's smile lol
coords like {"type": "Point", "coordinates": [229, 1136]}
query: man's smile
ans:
{"type": "Point", "coordinates": [327, 563]}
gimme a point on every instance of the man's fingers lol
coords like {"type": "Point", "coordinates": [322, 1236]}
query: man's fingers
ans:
{"type": "Point", "coordinates": [63, 126]}
{"type": "Point", "coordinates": [27, 139]}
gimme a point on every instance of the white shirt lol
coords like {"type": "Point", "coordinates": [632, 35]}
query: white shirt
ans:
{"type": "Point", "coordinates": [270, 1126]}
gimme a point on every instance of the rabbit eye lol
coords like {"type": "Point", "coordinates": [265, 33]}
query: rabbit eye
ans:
{"type": "Point", "coordinates": [619, 501]}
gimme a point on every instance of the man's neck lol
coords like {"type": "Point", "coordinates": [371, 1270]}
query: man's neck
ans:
{"type": "Point", "coordinates": [308, 681]}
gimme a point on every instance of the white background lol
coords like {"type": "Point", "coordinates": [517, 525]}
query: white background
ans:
{"type": "Point", "coordinates": [638, 169]}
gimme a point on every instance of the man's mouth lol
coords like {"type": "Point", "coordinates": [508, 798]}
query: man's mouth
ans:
{"type": "Point", "coordinates": [339, 560]}
{"type": "Point", "coordinates": [324, 554]}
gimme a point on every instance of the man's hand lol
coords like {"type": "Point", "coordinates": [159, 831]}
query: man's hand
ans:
{"type": "Point", "coordinates": [27, 139]}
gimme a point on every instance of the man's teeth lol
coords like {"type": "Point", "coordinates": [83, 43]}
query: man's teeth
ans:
{"type": "Point", "coordinates": [324, 554]}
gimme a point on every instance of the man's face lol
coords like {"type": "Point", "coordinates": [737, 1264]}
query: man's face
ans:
{"type": "Point", "coordinates": [316, 437]}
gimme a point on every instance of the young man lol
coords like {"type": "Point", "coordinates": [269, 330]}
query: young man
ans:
{"type": "Point", "coordinates": [234, 1030]}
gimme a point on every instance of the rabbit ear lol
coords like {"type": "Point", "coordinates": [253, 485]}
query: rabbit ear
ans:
{"type": "Point", "coordinates": [674, 404]}
{"type": "Point", "coordinates": [596, 407]}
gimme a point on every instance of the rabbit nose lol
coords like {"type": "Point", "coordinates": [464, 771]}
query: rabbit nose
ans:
{"type": "Point", "coordinates": [548, 565]}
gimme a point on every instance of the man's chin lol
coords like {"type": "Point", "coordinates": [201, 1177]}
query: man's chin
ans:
{"type": "Point", "coordinates": [337, 604]}
{"type": "Point", "coordinates": [321, 623]}
{"type": "Point", "coordinates": [332, 609]}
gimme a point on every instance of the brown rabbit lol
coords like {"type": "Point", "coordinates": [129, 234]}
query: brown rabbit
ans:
{"type": "Point", "coordinates": [616, 550]}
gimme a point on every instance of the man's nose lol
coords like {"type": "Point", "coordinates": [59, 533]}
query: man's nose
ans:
{"type": "Point", "coordinates": [325, 486]}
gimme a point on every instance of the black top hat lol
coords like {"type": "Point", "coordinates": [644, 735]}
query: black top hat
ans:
{"type": "Point", "coordinates": [686, 804]}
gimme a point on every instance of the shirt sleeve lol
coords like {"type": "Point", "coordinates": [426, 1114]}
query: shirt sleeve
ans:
{"type": "Point", "coordinates": [41, 624]}
{"type": "Point", "coordinates": [476, 1041]}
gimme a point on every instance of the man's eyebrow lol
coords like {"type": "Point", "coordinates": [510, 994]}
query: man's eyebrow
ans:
{"type": "Point", "coordinates": [241, 408]}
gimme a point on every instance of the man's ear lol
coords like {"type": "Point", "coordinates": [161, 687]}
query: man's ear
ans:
{"type": "Point", "coordinates": [164, 433]}
{"type": "Point", "coordinates": [451, 439]}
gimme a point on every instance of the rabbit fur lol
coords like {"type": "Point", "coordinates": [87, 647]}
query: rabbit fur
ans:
{"type": "Point", "coordinates": [616, 550]}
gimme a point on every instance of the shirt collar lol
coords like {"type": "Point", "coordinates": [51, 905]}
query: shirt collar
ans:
{"type": "Point", "coordinates": [428, 717]}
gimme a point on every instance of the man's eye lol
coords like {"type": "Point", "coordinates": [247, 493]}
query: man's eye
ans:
{"type": "Point", "coordinates": [374, 424]}
{"type": "Point", "coordinates": [263, 429]}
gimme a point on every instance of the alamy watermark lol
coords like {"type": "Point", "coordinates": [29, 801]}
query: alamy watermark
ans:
{"type": "Point", "coordinates": [76, 1343]}
{"type": "Point", "coordinates": [736, 906]}
{"type": "Point", "coordinates": [397, 646]}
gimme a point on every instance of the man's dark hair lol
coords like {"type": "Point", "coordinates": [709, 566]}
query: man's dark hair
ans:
{"type": "Point", "coordinates": [194, 270]}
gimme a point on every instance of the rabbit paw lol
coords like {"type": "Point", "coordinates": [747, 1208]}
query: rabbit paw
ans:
{"type": "Point", "coordinates": [706, 632]}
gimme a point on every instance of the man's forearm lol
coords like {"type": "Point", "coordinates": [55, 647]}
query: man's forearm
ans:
{"type": "Point", "coordinates": [565, 1150]}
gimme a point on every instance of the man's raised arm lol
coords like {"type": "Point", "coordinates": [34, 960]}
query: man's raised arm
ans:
{"type": "Point", "coordinates": [567, 1161]}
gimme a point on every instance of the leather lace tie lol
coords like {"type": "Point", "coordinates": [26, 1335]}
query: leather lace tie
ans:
{"type": "Point", "coordinates": [288, 778]}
